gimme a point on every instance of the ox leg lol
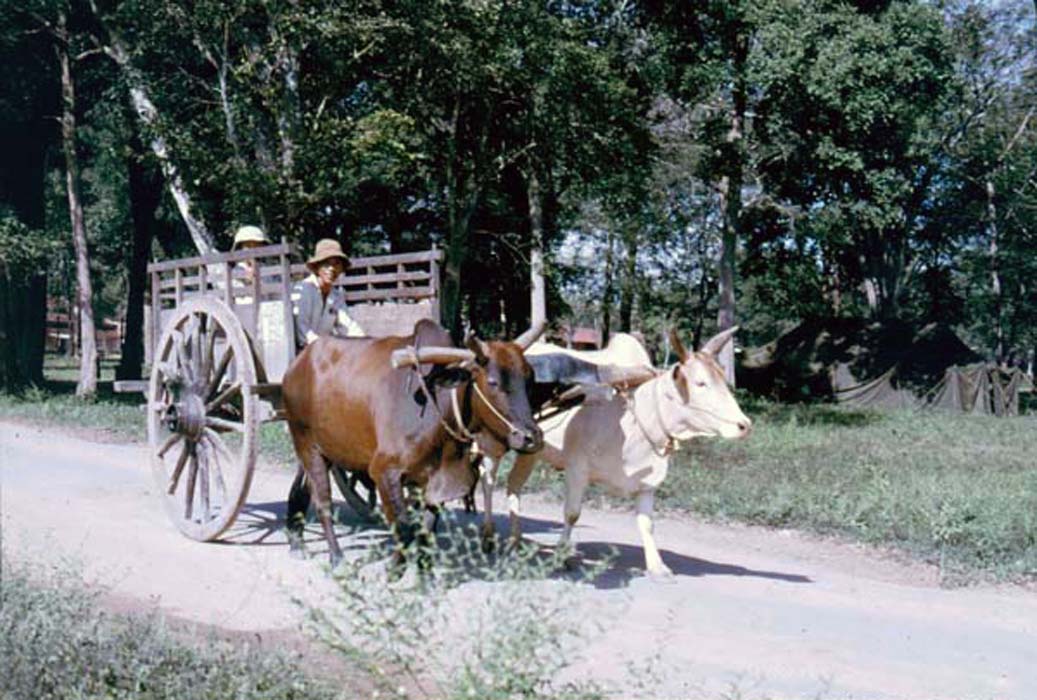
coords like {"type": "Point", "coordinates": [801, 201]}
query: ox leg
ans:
{"type": "Point", "coordinates": [488, 474]}
{"type": "Point", "coordinates": [469, 499]}
{"type": "Point", "coordinates": [389, 483]}
{"type": "Point", "coordinates": [576, 480]}
{"type": "Point", "coordinates": [653, 560]}
{"type": "Point", "coordinates": [320, 490]}
{"type": "Point", "coordinates": [298, 505]}
{"type": "Point", "coordinates": [521, 468]}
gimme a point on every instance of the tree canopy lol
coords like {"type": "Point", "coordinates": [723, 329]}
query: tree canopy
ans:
{"type": "Point", "coordinates": [683, 164]}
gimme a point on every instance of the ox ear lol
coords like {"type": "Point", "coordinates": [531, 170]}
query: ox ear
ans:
{"type": "Point", "coordinates": [715, 344]}
{"type": "Point", "coordinates": [478, 348]}
{"type": "Point", "coordinates": [678, 346]}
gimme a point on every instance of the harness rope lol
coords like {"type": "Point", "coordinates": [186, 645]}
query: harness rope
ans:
{"type": "Point", "coordinates": [465, 434]}
{"type": "Point", "coordinates": [672, 443]}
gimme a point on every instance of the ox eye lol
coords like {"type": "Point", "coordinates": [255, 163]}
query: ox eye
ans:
{"type": "Point", "coordinates": [701, 384]}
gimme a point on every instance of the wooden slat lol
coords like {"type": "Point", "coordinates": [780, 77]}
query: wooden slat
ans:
{"type": "Point", "coordinates": [417, 257]}
{"type": "Point", "coordinates": [289, 318]}
{"type": "Point", "coordinates": [178, 279]}
{"type": "Point", "coordinates": [216, 258]}
{"type": "Point", "coordinates": [228, 284]}
{"type": "Point", "coordinates": [390, 294]}
{"type": "Point", "coordinates": [433, 270]}
{"type": "Point", "coordinates": [384, 278]}
{"type": "Point", "coordinates": [130, 386]}
{"type": "Point", "coordinates": [156, 314]}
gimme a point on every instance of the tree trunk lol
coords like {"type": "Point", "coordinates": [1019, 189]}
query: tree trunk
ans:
{"type": "Point", "coordinates": [145, 193]}
{"type": "Point", "coordinates": [995, 274]}
{"type": "Point", "coordinates": [730, 189]}
{"type": "Point", "coordinates": [629, 283]}
{"type": "Point", "coordinates": [147, 114]}
{"type": "Point", "coordinates": [86, 387]}
{"type": "Point", "coordinates": [459, 216]}
{"type": "Point", "coordinates": [538, 291]}
{"type": "Point", "coordinates": [606, 297]}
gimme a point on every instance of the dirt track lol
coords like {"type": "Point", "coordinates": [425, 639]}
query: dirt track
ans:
{"type": "Point", "coordinates": [775, 614]}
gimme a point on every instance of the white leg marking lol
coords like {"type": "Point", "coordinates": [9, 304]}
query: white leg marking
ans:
{"type": "Point", "coordinates": [653, 560]}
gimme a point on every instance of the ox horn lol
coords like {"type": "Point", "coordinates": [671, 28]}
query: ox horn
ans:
{"type": "Point", "coordinates": [429, 355]}
{"type": "Point", "coordinates": [477, 347]}
{"type": "Point", "coordinates": [678, 347]}
{"type": "Point", "coordinates": [625, 376]}
{"type": "Point", "coordinates": [531, 335]}
{"type": "Point", "coordinates": [715, 344]}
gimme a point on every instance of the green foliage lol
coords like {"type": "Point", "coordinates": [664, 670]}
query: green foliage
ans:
{"type": "Point", "coordinates": [518, 631]}
{"type": "Point", "coordinates": [22, 250]}
{"type": "Point", "coordinates": [56, 644]}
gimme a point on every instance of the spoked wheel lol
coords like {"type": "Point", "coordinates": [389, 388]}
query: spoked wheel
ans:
{"type": "Point", "coordinates": [202, 420]}
{"type": "Point", "coordinates": [359, 491]}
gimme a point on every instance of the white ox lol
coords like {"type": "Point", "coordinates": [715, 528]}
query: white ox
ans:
{"type": "Point", "coordinates": [624, 440]}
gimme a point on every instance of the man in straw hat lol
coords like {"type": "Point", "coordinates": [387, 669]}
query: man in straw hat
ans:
{"type": "Point", "coordinates": [321, 307]}
{"type": "Point", "coordinates": [246, 237]}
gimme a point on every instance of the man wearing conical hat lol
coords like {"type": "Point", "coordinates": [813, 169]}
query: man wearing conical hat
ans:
{"type": "Point", "coordinates": [321, 306]}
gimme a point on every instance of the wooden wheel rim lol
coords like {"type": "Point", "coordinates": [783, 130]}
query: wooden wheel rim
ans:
{"type": "Point", "coordinates": [200, 425]}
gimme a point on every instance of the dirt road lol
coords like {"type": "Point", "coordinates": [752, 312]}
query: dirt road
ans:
{"type": "Point", "coordinates": [774, 614]}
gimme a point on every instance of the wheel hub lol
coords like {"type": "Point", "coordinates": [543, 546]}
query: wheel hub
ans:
{"type": "Point", "coordinates": [187, 416]}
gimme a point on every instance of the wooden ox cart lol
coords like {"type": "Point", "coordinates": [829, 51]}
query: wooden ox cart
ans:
{"type": "Point", "coordinates": [218, 341]}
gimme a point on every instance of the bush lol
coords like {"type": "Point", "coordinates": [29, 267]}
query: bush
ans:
{"type": "Point", "coordinates": [56, 644]}
{"type": "Point", "coordinates": [518, 632]}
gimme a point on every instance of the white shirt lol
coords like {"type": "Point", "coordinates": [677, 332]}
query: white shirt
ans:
{"type": "Point", "coordinates": [316, 315]}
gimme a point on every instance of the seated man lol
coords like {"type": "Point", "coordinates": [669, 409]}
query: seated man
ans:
{"type": "Point", "coordinates": [321, 307]}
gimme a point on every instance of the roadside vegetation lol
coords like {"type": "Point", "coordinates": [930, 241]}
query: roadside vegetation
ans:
{"type": "Point", "coordinates": [520, 628]}
{"type": "Point", "coordinates": [57, 644]}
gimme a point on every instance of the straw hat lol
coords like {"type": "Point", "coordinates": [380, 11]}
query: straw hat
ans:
{"type": "Point", "coordinates": [327, 248]}
{"type": "Point", "coordinates": [249, 234]}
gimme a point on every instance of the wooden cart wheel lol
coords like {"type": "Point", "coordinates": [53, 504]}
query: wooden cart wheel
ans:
{"type": "Point", "coordinates": [202, 420]}
{"type": "Point", "coordinates": [358, 490]}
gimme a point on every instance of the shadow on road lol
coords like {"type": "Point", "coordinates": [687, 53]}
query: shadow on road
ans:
{"type": "Point", "coordinates": [262, 524]}
{"type": "Point", "coordinates": [628, 563]}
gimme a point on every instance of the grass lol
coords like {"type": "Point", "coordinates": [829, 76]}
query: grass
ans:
{"type": "Point", "coordinates": [958, 491]}
{"type": "Point", "coordinates": [115, 416]}
{"type": "Point", "coordinates": [56, 643]}
{"type": "Point", "coordinates": [110, 416]}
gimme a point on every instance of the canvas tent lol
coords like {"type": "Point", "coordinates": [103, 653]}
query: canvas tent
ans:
{"type": "Point", "coordinates": [980, 389]}
{"type": "Point", "coordinates": [880, 365]}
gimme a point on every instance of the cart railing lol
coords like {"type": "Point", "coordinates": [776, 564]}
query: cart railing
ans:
{"type": "Point", "coordinates": [387, 293]}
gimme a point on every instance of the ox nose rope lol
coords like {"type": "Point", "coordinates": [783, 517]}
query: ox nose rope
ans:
{"type": "Point", "coordinates": [493, 409]}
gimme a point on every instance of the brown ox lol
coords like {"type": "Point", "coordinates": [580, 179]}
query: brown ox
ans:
{"type": "Point", "coordinates": [346, 403]}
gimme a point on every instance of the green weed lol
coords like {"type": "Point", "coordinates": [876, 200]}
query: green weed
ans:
{"type": "Point", "coordinates": [55, 644]}
{"type": "Point", "coordinates": [469, 625]}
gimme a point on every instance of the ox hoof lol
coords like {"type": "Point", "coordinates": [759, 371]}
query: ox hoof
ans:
{"type": "Point", "coordinates": [489, 542]}
{"type": "Point", "coordinates": [573, 562]}
{"type": "Point", "coordinates": [297, 552]}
